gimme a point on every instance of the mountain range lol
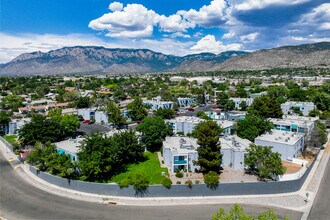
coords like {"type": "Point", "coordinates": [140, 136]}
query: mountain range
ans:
{"type": "Point", "coordinates": [92, 59]}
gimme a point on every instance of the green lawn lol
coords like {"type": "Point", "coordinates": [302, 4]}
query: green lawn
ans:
{"type": "Point", "coordinates": [10, 138]}
{"type": "Point", "coordinates": [150, 167]}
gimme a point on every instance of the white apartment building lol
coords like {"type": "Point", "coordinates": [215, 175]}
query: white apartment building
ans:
{"type": "Point", "coordinates": [238, 101]}
{"type": "Point", "coordinates": [187, 124]}
{"type": "Point", "coordinates": [294, 123]}
{"type": "Point", "coordinates": [233, 150]}
{"type": "Point", "coordinates": [304, 107]}
{"type": "Point", "coordinates": [288, 144]}
{"type": "Point", "coordinates": [179, 153]}
{"type": "Point", "coordinates": [156, 103]}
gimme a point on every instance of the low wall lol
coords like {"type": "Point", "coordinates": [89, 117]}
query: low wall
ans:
{"type": "Point", "coordinates": [223, 189]}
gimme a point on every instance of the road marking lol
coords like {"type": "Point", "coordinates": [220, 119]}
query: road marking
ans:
{"type": "Point", "coordinates": [10, 159]}
{"type": "Point", "coordinates": [17, 167]}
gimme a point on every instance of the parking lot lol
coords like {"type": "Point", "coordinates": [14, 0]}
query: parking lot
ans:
{"type": "Point", "coordinates": [91, 128]}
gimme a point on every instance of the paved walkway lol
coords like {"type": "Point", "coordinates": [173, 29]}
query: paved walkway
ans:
{"type": "Point", "coordinates": [295, 201]}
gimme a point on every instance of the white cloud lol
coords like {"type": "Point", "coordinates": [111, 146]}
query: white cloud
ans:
{"type": "Point", "coordinates": [319, 17]}
{"type": "Point", "coordinates": [260, 4]}
{"type": "Point", "coordinates": [211, 15]}
{"type": "Point", "coordinates": [116, 6]}
{"type": "Point", "coordinates": [210, 44]}
{"type": "Point", "coordinates": [229, 35]}
{"type": "Point", "coordinates": [132, 21]}
{"type": "Point", "coordinates": [249, 37]}
{"type": "Point", "coordinates": [174, 23]}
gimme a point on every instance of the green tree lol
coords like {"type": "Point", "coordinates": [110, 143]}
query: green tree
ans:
{"type": "Point", "coordinates": [222, 98]}
{"type": "Point", "coordinates": [69, 124]}
{"type": "Point", "coordinates": [243, 106]}
{"type": "Point", "coordinates": [318, 135]}
{"type": "Point", "coordinates": [40, 129]}
{"type": "Point", "coordinates": [83, 102]}
{"type": "Point", "coordinates": [61, 165]}
{"type": "Point", "coordinates": [4, 119]}
{"type": "Point", "coordinates": [263, 161]}
{"type": "Point", "coordinates": [114, 114]}
{"type": "Point", "coordinates": [71, 96]}
{"type": "Point", "coordinates": [136, 109]}
{"type": "Point", "coordinates": [266, 107]}
{"type": "Point", "coordinates": [235, 213]}
{"type": "Point", "coordinates": [102, 157]}
{"type": "Point", "coordinates": [12, 102]}
{"type": "Point", "coordinates": [253, 126]}
{"type": "Point", "coordinates": [165, 113]}
{"type": "Point", "coordinates": [230, 105]}
{"type": "Point", "coordinates": [39, 155]}
{"type": "Point", "coordinates": [154, 130]}
{"type": "Point", "coordinates": [211, 179]}
{"type": "Point", "coordinates": [209, 156]}
{"type": "Point", "coordinates": [201, 114]}
{"type": "Point", "coordinates": [140, 181]}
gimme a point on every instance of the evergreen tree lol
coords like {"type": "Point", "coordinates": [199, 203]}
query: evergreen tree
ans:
{"type": "Point", "coordinates": [209, 156]}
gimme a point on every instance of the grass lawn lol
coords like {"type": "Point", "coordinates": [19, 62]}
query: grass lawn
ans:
{"type": "Point", "coordinates": [10, 138]}
{"type": "Point", "coordinates": [150, 167]}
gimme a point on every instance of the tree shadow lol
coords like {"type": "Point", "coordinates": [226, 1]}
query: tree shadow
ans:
{"type": "Point", "coordinates": [141, 192]}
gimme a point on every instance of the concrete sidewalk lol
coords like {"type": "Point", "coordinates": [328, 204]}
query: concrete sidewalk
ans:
{"type": "Point", "coordinates": [294, 201]}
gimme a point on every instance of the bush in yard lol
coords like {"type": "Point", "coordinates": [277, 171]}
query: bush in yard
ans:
{"type": "Point", "coordinates": [189, 183]}
{"type": "Point", "coordinates": [211, 179]}
{"type": "Point", "coordinates": [197, 182]}
{"type": "Point", "coordinates": [124, 183]}
{"type": "Point", "coordinates": [139, 181]}
{"type": "Point", "coordinates": [179, 174]}
{"type": "Point", "coordinates": [178, 182]}
{"type": "Point", "coordinates": [167, 183]}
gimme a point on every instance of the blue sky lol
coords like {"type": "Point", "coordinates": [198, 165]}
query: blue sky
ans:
{"type": "Point", "coordinates": [176, 27]}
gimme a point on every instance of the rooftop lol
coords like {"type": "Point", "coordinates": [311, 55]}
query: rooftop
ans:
{"type": "Point", "coordinates": [234, 142]}
{"type": "Point", "coordinates": [181, 145]}
{"type": "Point", "coordinates": [283, 137]}
{"type": "Point", "coordinates": [288, 121]}
{"type": "Point", "coordinates": [70, 145]}
{"type": "Point", "coordinates": [298, 103]}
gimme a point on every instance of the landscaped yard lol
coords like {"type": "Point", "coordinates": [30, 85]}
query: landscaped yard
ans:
{"type": "Point", "coordinates": [10, 138]}
{"type": "Point", "coordinates": [150, 167]}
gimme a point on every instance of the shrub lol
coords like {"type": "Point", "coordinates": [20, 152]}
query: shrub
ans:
{"type": "Point", "coordinates": [179, 174]}
{"type": "Point", "coordinates": [139, 181]}
{"type": "Point", "coordinates": [197, 182]}
{"type": "Point", "coordinates": [189, 184]}
{"type": "Point", "coordinates": [178, 182]}
{"type": "Point", "coordinates": [124, 183]}
{"type": "Point", "coordinates": [167, 183]}
{"type": "Point", "coordinates": [211, 179]}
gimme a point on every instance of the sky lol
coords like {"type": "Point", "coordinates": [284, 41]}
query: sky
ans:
{"type": "Point", "coordinates": [177, 27]}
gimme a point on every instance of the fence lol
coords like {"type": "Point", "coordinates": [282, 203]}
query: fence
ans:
{"type": "Point", "coordinates": [223, 189]}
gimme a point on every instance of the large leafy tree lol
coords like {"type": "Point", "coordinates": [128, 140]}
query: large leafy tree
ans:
{"type": "Point", "coordinates": [115, 116]}
{"type": "Point", "coordinates": [154, 130]}
{"type": "Point", "coordinates": [165, 113]}
{"type": "Point", "coordinates": [222, 99]}
{"type": "Point", "coordinates": [40, 129]}
{"type": "Point", "coordinates": [263, 161]}
{"type": "Point", "coordinates": [12, 102]}
{"type": "Point", "coordinates": [209, 156]}
{"type": "Point", "coordinates": [4, 119]}
{"type": "Point", "coordinates": [83, 102]}
{"type": "Point", "coordinates": [39, 155]}
{"type": "Point", "coordinates": [102, 157]}
{"type": "Point", "coordinates": [253, 126]}
{"type": "Point", "coordinates": [266, 106]}
{"type": "Point", "coordinates": [237, 213]}
{"type": "Point", "coordinates": [69, 124]}
{"type": "Point", "coordinates": [136, 109]}
{"type": "Point", "coordinates": [318, 135]}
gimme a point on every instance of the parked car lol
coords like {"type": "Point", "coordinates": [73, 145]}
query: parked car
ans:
{"type": "Point", "coordinates": [86, 121]}
{"type": "Point", "coordinates": [191, 109]}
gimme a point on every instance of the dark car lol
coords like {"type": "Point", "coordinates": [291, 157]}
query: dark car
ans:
{"type": "Point", "coordinates": [191, 109]}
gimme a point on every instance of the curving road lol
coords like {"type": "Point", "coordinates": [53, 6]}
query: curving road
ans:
{"type": "Point", "coordinates": [20, 200]}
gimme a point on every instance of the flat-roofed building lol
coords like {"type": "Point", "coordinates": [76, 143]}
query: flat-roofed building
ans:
{"type": "Point", "coordinates": [303, 107]}
{"type": "Point", "coordinates": [288, 144]}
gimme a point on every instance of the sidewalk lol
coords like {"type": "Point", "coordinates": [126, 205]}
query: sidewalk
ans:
{"type": "Point", "coordinates": [294, 201]}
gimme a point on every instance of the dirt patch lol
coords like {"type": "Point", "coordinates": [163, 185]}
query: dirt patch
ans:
{"type": "Point", "coordinates": [291, 167]}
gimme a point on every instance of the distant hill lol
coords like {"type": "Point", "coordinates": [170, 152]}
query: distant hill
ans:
{"type": "Point", "coordinates": [93, 59]}
{"type": "Point", "coordinates": [307, 55]}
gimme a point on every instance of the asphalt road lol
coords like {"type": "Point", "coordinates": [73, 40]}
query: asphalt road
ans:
{"type": "Point", "coordinates": [321, 205]}
{"type": "Point", "coordinates": [20, 200]}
